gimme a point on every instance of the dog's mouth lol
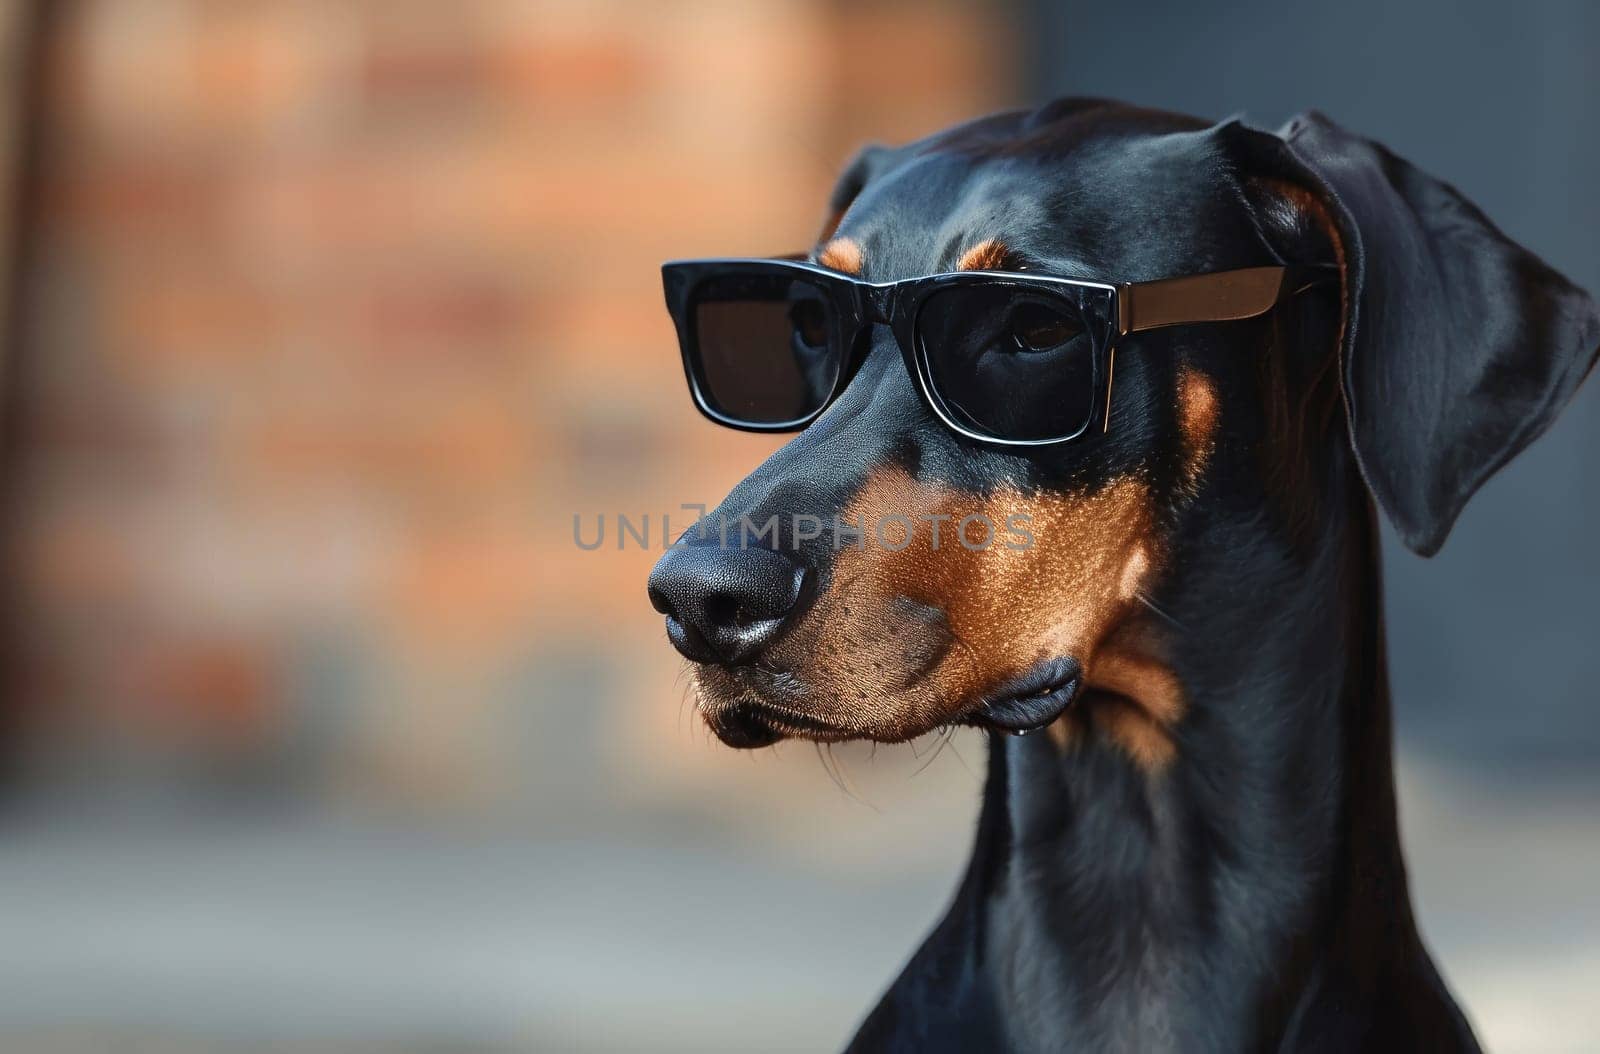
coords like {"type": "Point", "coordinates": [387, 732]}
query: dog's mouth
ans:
{"type": "Point", "coordinates": [747, 718]}
{"type": "Point", "coordinates": [751, 723]}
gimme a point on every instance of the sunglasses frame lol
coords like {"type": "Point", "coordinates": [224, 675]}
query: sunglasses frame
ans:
{"type": "Point", "coordinates": [858, 305]}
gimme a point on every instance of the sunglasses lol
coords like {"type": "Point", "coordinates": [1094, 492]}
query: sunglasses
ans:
{"type": "Point", "coordinates": [1009, 358]}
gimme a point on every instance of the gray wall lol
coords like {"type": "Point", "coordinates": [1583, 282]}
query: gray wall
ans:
{"type": "Point", "coordinates": [1494, 642]}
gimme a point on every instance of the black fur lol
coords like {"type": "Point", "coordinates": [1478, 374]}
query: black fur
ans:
{"type": "Point", "coordinates": [1251, 896]}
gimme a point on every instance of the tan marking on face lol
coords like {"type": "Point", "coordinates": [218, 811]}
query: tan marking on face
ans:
{"type": "Point", "coordinates": [987, 255]}
{"type": "Point", "coordinates": [903, 641]}
{"type": "Point", "coordinates": [842, 254]}
{"type": "Point", "coordinates": [1008, 605]}
{"type": "Point", "coordinates": [1198, 411]}
{"type": "Point", "coordinates": [1133, 573]}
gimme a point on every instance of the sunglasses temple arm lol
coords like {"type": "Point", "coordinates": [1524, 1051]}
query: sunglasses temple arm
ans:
{"type": "Point", "coordinates": [1111, 373]}
{"type": "Point", "coordinates": [1221, 297]}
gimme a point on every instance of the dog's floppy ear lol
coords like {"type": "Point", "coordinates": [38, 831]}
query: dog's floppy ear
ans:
{"type": "Point", "coordinates": [1459, 346]}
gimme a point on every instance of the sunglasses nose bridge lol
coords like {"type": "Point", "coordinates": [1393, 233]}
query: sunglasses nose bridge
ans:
{"type": "Point", "coordinates": [877, 303]}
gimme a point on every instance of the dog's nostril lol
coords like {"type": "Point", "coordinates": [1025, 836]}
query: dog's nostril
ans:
{"type": "Point", "coordinates": [723, 610]}
{"type": "Point", "coordinates": [725, 605]}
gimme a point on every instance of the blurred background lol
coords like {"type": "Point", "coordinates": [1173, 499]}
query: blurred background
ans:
{"type": "Point", "coordinates": [324, 320]}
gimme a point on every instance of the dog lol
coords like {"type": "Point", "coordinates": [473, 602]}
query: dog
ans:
{"type": "Point", "coordinates": [1198, 849]}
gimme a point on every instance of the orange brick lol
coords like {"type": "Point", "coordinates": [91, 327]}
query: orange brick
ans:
{"type": "Point", "coordinates": [582, 72]}
{"type": "Point", "coordinates": [440, 313]}
{"type": "Point", "coordinates": [136, 198]}
{"type": "Point", "coordinates": [222, 689]}
{"type": "Point", "coordinates": [350, 307]}
{"type": "Point", "coordinates": [175, 323]}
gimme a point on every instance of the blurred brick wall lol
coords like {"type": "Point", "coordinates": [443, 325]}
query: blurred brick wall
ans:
{"type": "Point", "coordinates": [344, 309]}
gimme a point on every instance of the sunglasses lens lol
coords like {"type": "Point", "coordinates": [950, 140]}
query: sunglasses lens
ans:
{"type": "Point", "coordinates": [1010, 363]}
{"type": "Point", "coordinates": [764, 347]}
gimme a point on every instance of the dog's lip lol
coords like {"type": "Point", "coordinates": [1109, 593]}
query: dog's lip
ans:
{"type": "Point", "coordinates": [1032, 700]}
{"type": "Point", "coordinates": [752, 722]}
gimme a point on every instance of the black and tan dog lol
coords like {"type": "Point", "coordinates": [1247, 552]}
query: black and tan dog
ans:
{"type": "Point", "coordinates": [1199, 852]}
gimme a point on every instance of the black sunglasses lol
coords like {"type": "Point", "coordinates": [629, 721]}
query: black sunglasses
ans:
{"type": "Point", "coordinates": [1003, 357]}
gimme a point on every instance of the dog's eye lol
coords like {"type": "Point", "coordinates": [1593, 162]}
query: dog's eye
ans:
{"type": "Point", "coordinates": [1039, 327]}
{"type": "Point", "coordinates": [810, 323]}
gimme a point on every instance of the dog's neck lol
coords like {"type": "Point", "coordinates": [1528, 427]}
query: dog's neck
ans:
{"type": "Point", "coordinates": [1216, 895]}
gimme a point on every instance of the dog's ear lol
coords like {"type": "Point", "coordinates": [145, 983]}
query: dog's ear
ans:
{"type": "Point", "coordinates": [1459, 346]}
{"type": "Point", "coordinates": [867, 164]}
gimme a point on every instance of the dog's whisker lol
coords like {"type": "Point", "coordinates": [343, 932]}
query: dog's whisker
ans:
{"type": "Point", "coordinates": [850, 785]}
{"type": "Point", "coordinates": [1151, 604]}
{"type": "Point", "coordinates": [826, 760]}
{"type": "Point", "coordinates": [957, 752]}
{"type": "Point", "coordinates": [823, 761]}
{"type": "Point", "coordinates": [839, 773]}
{"type": "Point", "coordinates": [918, 745]}
{"type": "Point", "coordinates": [830, 765]}
{"type": "Point", "coordinates": [942, 740]}
{"type": "Point", "coordinates": [915, 753]}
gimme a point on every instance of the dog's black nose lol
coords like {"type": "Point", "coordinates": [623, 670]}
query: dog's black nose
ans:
{"type": "Point", "coordinates": [724, 605]}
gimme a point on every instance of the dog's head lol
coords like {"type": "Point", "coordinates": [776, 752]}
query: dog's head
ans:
{"type": "Point", "coordinates": [882, 575]}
